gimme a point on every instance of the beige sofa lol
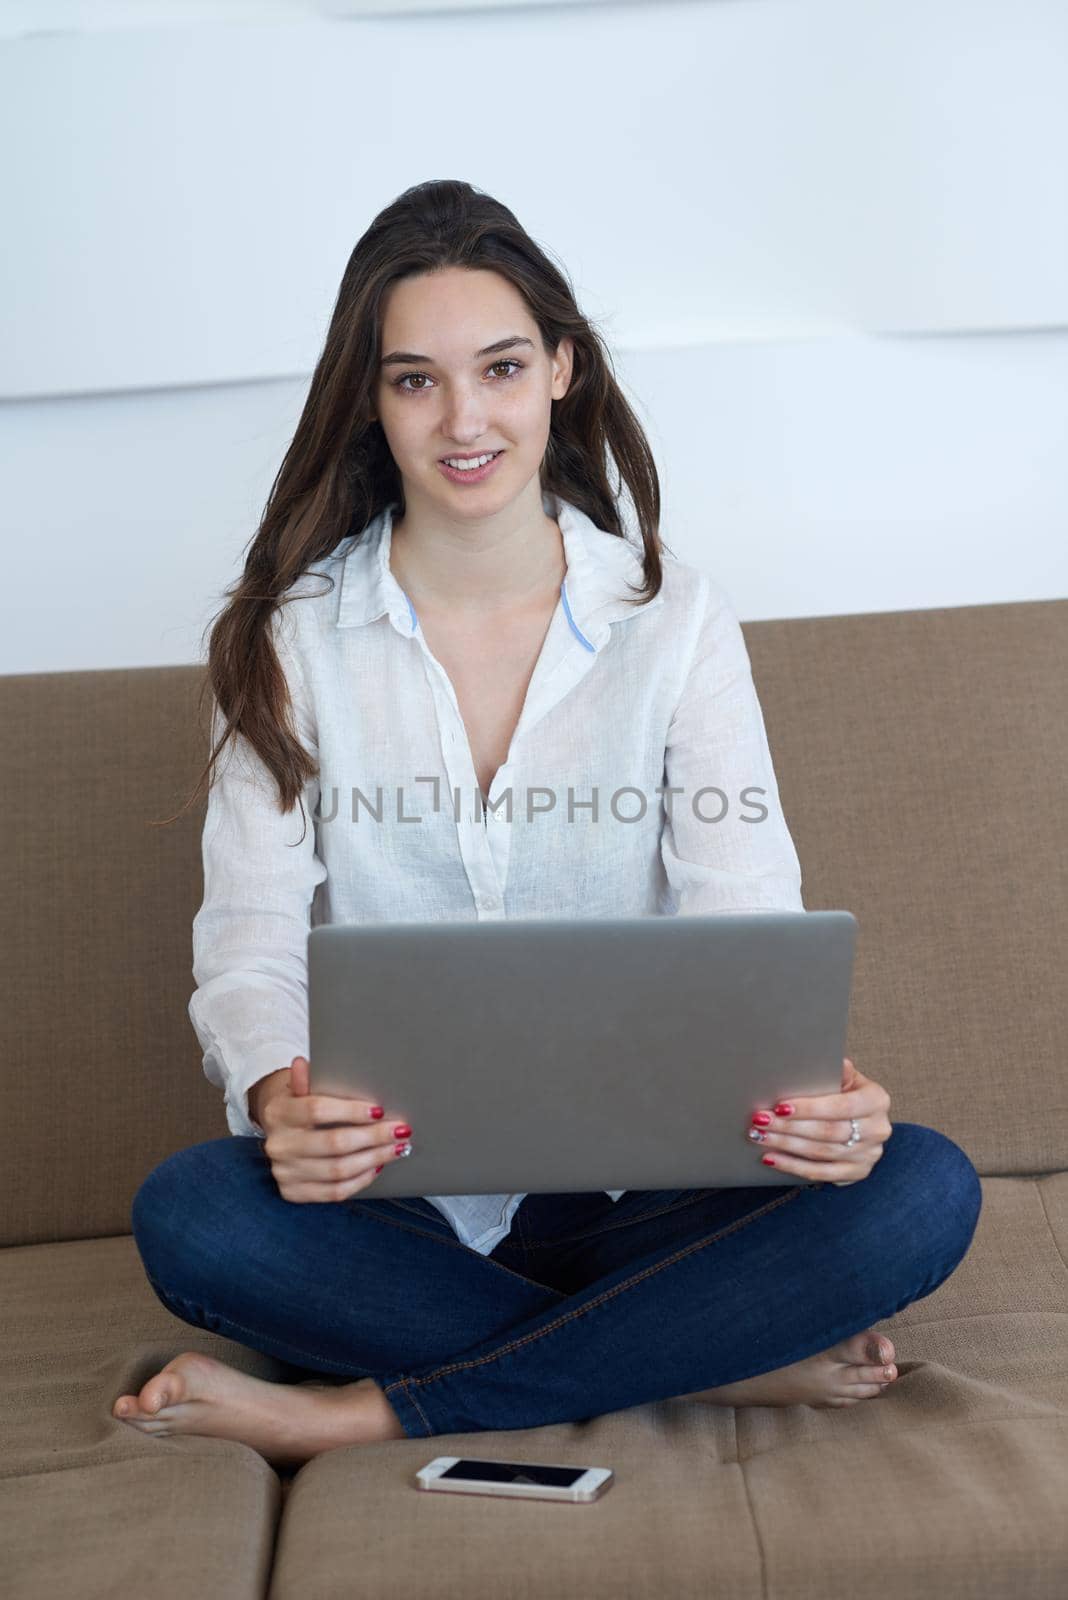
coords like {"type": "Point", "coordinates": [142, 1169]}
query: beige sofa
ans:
{"type": "Point", "coordinates": [921, 757]}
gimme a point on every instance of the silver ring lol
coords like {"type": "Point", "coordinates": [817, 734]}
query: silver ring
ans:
{"type": "Point", "coordinates": [758, 1136]}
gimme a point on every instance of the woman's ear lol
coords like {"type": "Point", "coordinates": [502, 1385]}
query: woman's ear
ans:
{"type": "Point", "coordinates": [563, 367]}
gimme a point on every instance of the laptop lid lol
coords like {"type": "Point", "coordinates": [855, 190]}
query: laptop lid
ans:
{"type": "Point", "coordinates": [550, 1056]}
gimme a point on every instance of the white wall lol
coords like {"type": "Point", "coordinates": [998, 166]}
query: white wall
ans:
{"type": "Point", "coordinates": [827, 241]}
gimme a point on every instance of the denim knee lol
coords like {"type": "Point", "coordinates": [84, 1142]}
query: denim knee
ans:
{"type": "Point", "coordinates": [160, 1196]}
{"type": "Point", "coordinates": [164, 1213]}
{"type": "Point", "coordinates": [940, 1176]}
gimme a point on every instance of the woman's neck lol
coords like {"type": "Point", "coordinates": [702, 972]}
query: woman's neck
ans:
{"type": "Point", "coordinates": [464, 572]}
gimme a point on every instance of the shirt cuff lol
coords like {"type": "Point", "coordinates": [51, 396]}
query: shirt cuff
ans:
{"type": "Point", "coordinates": [259, 1063]}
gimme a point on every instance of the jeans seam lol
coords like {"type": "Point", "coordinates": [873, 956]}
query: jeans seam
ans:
{"type": "Point", "coordinates": [615, 1222]}
{"type": "Point", "coordinates": [609, 1294]}
{"type": "Point", "coordinates": [403, 1384]}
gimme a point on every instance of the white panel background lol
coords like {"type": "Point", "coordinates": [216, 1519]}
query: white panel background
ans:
{"type": "Point", "coordinates": [827, 241]}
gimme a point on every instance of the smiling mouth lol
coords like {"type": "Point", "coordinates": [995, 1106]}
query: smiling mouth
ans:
{"type": "Point", "coordinates": [445, 460]}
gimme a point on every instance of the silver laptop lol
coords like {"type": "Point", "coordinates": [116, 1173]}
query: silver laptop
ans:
{"type": "Point", "coordinates": [554, 1056]}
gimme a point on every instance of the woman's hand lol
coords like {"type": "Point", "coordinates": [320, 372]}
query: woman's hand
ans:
{"type": "Point", "coordinates": [322, 1147]}
{"type": "Point", "coordinates": [809, 1140]}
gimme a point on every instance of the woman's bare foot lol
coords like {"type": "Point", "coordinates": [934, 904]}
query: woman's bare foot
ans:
{"type": "Point", "coordinates": [286, 1423]}
{"type": "Point", "coordinates": [835, 1377]}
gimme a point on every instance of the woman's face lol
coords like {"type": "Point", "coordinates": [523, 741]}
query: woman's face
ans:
{"type": "Point", "coordinates": [442, 392]}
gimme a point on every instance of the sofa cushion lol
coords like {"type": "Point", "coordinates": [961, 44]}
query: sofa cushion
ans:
{"type": "Point", "coordinates": [182, 1525]}
{"type": "Point", "coordinates": [90, 1506]}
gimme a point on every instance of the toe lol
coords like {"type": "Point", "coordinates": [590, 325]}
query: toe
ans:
{"type": "Point", "coordinates": [166, 1388]}
{"type": "Point", "coordinates": [157, 1393]}
{"type": "Point", "coordinates": [863, 1347]}
{"type": "Point", "coordinates": [879, 1349]}
{"type": "Point", "coordinates": [879, 1375]}
{"type": "Point", "coordinates": [862, 1391]}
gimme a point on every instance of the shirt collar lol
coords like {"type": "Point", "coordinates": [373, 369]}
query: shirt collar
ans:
{"type": "Point", "coordinates": [600, 565]}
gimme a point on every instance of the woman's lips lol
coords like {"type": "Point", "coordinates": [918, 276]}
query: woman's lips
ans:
{"type": "Point", "coordinates": [472, 474]}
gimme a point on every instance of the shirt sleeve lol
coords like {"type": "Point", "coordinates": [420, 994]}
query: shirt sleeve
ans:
{"type": "Point", "coordinates": [250, 1007]}
{"type": "Point", "coordinates": [717, 755]}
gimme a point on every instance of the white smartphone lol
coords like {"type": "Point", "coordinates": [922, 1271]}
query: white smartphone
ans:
{"type": "Point", "coordinates": [520, 1480]}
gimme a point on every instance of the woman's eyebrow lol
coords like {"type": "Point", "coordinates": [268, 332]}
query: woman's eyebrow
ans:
{"type": "Point", "coordinates": [402, 357]}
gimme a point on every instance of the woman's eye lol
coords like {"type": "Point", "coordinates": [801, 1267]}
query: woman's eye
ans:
{"type": "Point", "coordinates": [401, 382]}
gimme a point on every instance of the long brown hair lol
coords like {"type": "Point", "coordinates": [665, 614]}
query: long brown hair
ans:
{"type": "Point", "coordinates": [338, 472]}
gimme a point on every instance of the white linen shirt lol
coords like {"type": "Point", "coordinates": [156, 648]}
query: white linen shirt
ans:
{"type": "Point", "coordinates": [648, 714]}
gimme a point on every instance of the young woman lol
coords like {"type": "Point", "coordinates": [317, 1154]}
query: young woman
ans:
{"type": "Point", "coordinates": [491, 631]}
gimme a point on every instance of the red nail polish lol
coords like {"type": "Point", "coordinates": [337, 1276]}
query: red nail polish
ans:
{"type": "Point", "coordinates": [761, 1119]}
{"type": "Point", "coordinates": [769, 1161]}
{"type": "Point", "coordinates": [378, 1169]}
{"type": "Point", "coordinates": [784, 1110]}
{"type": "Point", "coordinates": [377, 1111]}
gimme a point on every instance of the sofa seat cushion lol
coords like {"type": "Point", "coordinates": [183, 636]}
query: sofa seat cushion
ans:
{"type": "Point", "coordinates": [953, 1481]}
{"type": "Point", "coordinates": [90, 1506]}
{"type": "Point", "coordinates": [181, 1525]}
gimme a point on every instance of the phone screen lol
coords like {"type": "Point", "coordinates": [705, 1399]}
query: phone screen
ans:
{"type": "Point", "coordinates": [514, 1472]}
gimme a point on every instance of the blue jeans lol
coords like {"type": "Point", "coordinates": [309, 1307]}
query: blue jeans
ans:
{"type": "Point", "coordinates": [588, 1306]}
